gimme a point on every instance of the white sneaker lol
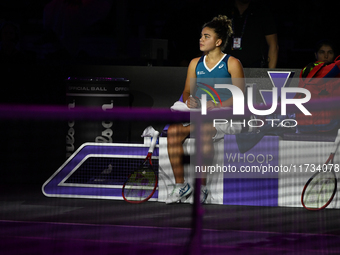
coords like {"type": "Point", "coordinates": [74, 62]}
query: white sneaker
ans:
{"type": "Point", "coordinates": [204, 194]}
{"type": "Point", "coordinates": [180, 193]}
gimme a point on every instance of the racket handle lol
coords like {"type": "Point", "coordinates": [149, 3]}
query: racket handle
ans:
{"type": "Point", "coordinates": [336, 142]}
{"type": "Point", "coordinates": [154, 141]}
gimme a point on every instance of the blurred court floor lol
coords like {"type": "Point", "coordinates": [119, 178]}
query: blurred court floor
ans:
{"type": "Point", "coordinates": [31, 223]}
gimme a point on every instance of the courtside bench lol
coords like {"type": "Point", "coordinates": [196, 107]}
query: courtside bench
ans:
{"type": "Point", "coordinates": [279, 184]}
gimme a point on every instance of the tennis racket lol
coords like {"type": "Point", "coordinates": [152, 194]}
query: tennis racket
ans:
{"type": "Point", "coordinates": [198, 102]}
{"type": "Point", "coordinates": [141, 183]}
{"type": "Point", "coordinates": [321, 188]}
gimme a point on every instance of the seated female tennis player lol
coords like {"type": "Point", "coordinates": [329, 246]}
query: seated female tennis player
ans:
{"type": "Point", "coordinates": [213, 64]}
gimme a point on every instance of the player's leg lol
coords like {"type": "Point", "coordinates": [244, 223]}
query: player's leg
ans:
{"type": "Point", "coordinates": [207, 133]}
{"type": "Point", "coordinates": [177, 133]}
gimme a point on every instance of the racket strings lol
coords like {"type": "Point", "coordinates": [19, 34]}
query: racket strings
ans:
{"type": "Point", "coordinates": [319, 191]}
{"type": "Point", "coordinates": [140, 184]}
{"type": "Point", "coordinates": [321, 188]}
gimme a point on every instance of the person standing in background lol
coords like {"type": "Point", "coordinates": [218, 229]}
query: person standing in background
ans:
{"type": "Point", "coordinates": [255, 41]}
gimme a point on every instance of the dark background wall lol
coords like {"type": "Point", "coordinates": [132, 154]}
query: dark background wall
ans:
{"type": "Point", "coordinates": [114, 32]}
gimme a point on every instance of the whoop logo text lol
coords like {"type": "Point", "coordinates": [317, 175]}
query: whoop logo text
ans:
{"type": "Point", "coordinates": [239, 102]}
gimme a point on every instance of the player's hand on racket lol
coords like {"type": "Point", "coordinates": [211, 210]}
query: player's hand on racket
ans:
{"type": "Point", "coordinates": [193, 102]}
{"type": "Point", "coordinates": [211, 105]}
